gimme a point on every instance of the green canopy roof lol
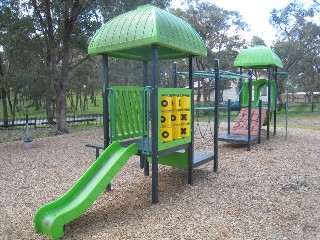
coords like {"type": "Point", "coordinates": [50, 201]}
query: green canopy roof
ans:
{"type": "Point", "coordinates": [130, 36]}
{"type": "Point", "coordinates": [258, 57]}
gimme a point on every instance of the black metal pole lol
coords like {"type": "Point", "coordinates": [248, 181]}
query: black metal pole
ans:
{"type": "Point", "coordinates": [105, 85]}
{"type": "Point", "coordinates": [269, 103]}
{"type": "Point", "coordinates": [154, 122]}
{"type": "Point", "coordinates": [260, 121]}
{"type": "Point", "coordinates": [249, 111]}
{"type": "Point", "coordinates": [191, 148]}
{"type": "Point", "coordinates": [175, 75]}
{"type": "Point", "coordinates": [216, 115]}
{"type": "Point", "coordinates": [229, 116]}
{"type": "Point", "coordinates": [143, 159]}
{"type": "Point", "coordinates": [275, 101]}
{"type": "Point", "coordinates": [240, 87]}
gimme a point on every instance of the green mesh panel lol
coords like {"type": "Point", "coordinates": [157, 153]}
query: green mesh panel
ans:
{"type": "Point", "coordinates": [126, 112]}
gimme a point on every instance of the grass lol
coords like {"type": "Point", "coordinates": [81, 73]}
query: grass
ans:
{"type": "Point", "coordinates": [41, 113]}
{"type": "Point", "coordinates": [297, 111]}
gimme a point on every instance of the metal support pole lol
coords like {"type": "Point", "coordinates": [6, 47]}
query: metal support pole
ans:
{"type": "Point", "coordinates": [249, 111]}
{"type": "Point", "coordinates": [275, 101]}
{"type": "Point", "coordinates": [216, 115]}
{"type": "Point", "coordinates": [269, 102]}
{"type": "Point", "coordinates": [229, 116]}
{"type": "Point", "coordinates": [191, 149]}
{"type": "Point", "coordinates": [260, 121]}
{"type": "Point", "coordinates": [154, 122]}
{"type": "Point", "coordinates": [240, 87]}
{"type": "Point", "coordinates": [105, 85]}
{"type": "Point", "coordinates": [143, 159]}
{"type": "Point", "coordinates": [287, 106]}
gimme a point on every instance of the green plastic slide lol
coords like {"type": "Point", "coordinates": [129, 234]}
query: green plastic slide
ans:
{"type": "Point", "coordinates": [51, 217]}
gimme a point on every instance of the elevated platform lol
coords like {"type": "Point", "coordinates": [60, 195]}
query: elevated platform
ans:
{"type": "Point", "coordinates": [175, 157]}
{"type": "Point", "coordinates": [237, 138]}
{"type": "Point", "coordinates": [200, 158]}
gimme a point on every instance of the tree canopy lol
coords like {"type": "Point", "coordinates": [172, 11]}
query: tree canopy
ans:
{"type": "Point", "coordinates": [44, 61]}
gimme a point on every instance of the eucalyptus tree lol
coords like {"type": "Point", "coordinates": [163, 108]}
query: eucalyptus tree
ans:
{"type": "Point", "coordinates": [221, 31]}
{"type": "Point", "coordinates": [64, 25]}
{"type": "Point", "coordinates": [298, 44]}
{"type": "Point", "coordinates": [20, 52]}
{"type": "Point", "coordinates": [112, 8]}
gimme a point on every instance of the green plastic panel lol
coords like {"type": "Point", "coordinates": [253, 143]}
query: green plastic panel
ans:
{"type": "Point", "coordinates": [125, 112]}
{"type": "Point", "coordinates": [131, 35]}
{"type": "Point", "coordinates": [176, 159]}
{"type": "Point", "coordinates": [258, 86]}
{"type": "Point", "coordinates": [173, 143]}
{"type": "Point", "coordinates": [51, 218]}
{"type": "Point", "coordinates": [258, 57]}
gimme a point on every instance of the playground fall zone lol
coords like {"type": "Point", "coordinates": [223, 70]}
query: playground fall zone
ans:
{"type": "Point", "coordinates": [271, 192]}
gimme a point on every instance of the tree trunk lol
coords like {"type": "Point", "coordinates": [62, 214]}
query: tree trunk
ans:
{"type": "Point", "coordinates": [9, 101]}
{"type": "Point", "coordinates": [70, 96]}
{"type": "Point", "coordinates": [279, 99]}
{"type": "Point", "coordinates": [3, 96]}
{"type": "Point", "coordinates": [61, 92]}
{"type": "Point", "coordinates": [15, 102]}
{"type": "Point", "coordinates": [77, 101]}
{"type": "Point", "coordinates": [57, 36]}
{"type": "Point", "coordinates": [49, 109]}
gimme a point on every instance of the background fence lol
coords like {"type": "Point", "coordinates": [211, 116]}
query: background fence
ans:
{"type": "Point", "coordinates": [97, 119]}
{"type": "Point", "coordinates": [41, 122]}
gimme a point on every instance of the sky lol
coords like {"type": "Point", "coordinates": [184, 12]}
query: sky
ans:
{"type": "Point", "coordinates": [255, 13]}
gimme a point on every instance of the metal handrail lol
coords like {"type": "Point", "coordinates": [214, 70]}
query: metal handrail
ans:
{"type": "Point", "coordinates": [145, 119]}
{"type": "Point", "coordinates": [113, 114]}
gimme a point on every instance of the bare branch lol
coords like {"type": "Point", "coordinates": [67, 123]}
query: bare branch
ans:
{"type": "Point", "coordinates": [78, 62]}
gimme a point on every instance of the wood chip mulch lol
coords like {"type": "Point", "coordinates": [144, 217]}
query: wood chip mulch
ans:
{"type": "Point", "coordinates": [271, 192]}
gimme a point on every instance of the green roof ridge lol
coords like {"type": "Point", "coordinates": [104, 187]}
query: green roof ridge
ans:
{"type": "Point", "coordinates": [130, 35]}
{"type": "Point", "coordinates": [258, 57]}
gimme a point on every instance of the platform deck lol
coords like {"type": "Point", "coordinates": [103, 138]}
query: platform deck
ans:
{"type": "Point", "coordinates": [237, 138]}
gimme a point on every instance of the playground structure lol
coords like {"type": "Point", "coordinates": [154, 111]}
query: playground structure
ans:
{"type": "Point", "coordinates": [155, 123]}
{"type": "Point", "coordinates": [259, 57]}
{"type": "Point", "coordinates": [247, 130]}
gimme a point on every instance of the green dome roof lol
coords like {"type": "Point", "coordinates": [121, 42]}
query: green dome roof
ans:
{"type": "Point", "coordinates": [130, 36]}
{"type": "Point", "coordinates": [258, 57]}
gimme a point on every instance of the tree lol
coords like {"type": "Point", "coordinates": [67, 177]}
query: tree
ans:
{"type": "Point", "coordinates": [112, 8]}
{"type": "Point", "coordinates": [19, 51]}
{"type": "Point", "coordinates": [214, 25]}
{"type": "Point", "coordinates": [3, 94]}
{"type": "Point", "coordinates": [298, 44]}
{"type": "Point", "coordinates": [256, 41]}
{"type": "Point", "coordinates": [57, 22]}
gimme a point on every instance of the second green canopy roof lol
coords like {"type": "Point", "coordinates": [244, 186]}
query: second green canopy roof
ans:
{"type": "Point", "coordinates": [258, 57]}
{"type": "Point", "coordinates": [131, 35]}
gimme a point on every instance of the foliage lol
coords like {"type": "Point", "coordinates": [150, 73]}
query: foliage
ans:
{"type": "Point", "coordinates": [298, 45]}
{"type": "Point", "coordinates": [214, 25]}
{"type": "Point", "coordinates": [44, 64]}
